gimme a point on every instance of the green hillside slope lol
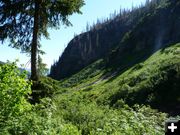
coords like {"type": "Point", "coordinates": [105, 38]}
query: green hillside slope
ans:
{"type": "Point", "coordinates": [100, 102]}
{"type": "Point", "coordinates": [133, 36]}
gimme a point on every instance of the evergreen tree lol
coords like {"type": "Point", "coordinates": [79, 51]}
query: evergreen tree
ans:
{"type": "Point", "coordinates": [42, 67]}
{"type": "Point", "coordinates": [23, 23]}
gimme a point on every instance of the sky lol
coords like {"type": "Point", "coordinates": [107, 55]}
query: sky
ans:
{"type": "Point", "coordinates": [53, 47]}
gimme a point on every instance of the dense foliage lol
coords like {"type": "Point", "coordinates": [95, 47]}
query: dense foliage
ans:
{"type": "Point", "coordinates": [94, 101]}
{"type": "Point", "coordinates": [148, 82]}
{"type": "Point", "coordinates": [13, 89]}
{"type": "Point", "coordinates": [104, 101]}
{"type": "Point", "coordinates": [18, 116]}
{"type": "Point", "coordinates": [94, 119]}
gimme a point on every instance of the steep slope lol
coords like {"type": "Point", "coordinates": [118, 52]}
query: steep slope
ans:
{"type": "Point", "coordinates": [134, 34]}
{"type": "Point", "coordinates": [96, 43]}
{"type": "Point", "coordinates": [150, 82]}
{"type": "Point", "coordinates": [154, 31]}
{"type": "Point", "coordinates": [97, 102]}
{"type": "Point", "coordinates": [88, 47]}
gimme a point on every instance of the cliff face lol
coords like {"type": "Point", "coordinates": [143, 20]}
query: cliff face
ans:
{"type": "Point", "coordinates": [141, 30]}
{"type": "Point", "coordinates": [88, 47]}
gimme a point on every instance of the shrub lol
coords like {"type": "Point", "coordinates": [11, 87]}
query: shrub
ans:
{"type": "Point", "coordinates": [18, 116]}
{"type": "Point", "coordinates": [13, 89]}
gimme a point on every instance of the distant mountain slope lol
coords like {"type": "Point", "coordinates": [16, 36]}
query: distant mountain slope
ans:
{"type": "Point", "coordinates": [96, 43]}
{"type": "Point", "coordinates": [1, 62]}
{"type": "Point", "coordinates": [155, 30]}
{"type": "Point", "coordinates": [88, 47]}
{"type": "Point", "coordinates": [140, 32]}
{"type": "Point", "coordinates": [155, 82]}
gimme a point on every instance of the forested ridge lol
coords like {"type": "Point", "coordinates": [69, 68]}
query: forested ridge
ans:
{"type": "Point", "coordinates": [145, 28]}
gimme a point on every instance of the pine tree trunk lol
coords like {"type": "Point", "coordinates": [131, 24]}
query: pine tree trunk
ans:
{"type": "Point", "coordinates": [34, 46]}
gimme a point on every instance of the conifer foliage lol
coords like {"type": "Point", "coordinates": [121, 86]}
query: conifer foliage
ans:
{"type": "Point", "coordinates": [23, 23]}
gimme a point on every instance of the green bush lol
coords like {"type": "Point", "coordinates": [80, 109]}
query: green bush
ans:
{"type": "Point", "coordinates": [18, 116]}
{"type": "Point", "coordinates": [93, 119]}
{"type": "Point", "coordinates": [45, 87]}
{"type": "Point", "coordinates": [13, 89]}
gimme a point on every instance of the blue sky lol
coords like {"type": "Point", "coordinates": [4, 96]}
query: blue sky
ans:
{"type": "Point", "coordinates": [59, 38]}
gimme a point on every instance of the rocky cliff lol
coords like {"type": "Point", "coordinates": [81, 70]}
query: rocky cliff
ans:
{"type": "Point", "coordinates": [141, 30]}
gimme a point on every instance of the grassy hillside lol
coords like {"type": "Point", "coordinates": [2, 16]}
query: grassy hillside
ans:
{"type": "Point", "coordinates": [157, 75]}
{"type": "Point", "coordinates": [99, 101]}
